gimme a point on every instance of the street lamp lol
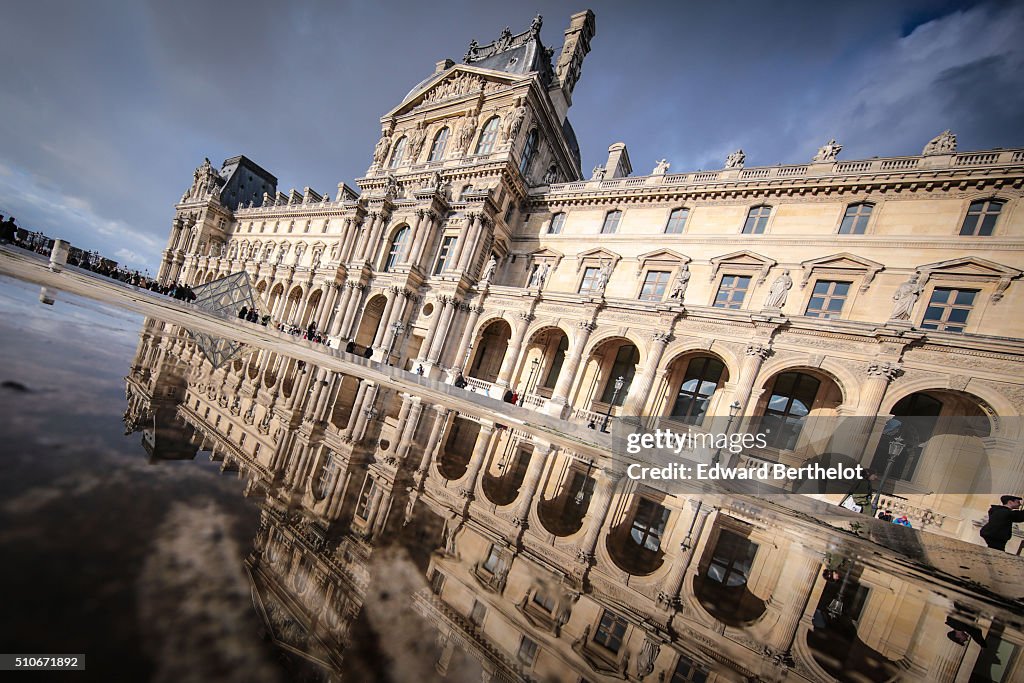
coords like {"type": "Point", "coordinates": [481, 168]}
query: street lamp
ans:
{"type": "Point", "coordinates": [734, 410]}
{"type": "Point", "coordinates": [607, 415]}
{"type": "Point", "coordinates": [835, 608]}
{"type": "Point", "coordinates": [583, 487]}
{"type": "Point", "coordinates": [398, 328]}
{"type": "Point", "coordinates": [534, 364]}
{"type": "Point", "coordinates": [895, 448]}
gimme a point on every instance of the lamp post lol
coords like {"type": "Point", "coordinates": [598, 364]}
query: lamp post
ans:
{"type": "Point", "coordinates": [835, 608]}
{"type": "Point", "coordinates": [534, 364]}
{"type": "Point", "coordinates": [608, 413]}
{"type": "Point", "coordinates": [398, 328]}
{"type": "Point", "coordinates": [583, 487]}
{"type": "Point", "coordinates": [895, 448]}
{"type": "Point", "coordinates": [734, 410]}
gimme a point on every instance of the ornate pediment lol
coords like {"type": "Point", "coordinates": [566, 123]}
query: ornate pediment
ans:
{"type": "Point", "coordinates": [842, 264]}
{"type": "Point", "coordinates": [546, 255]}
{"type": "Point", "coordinates": [666, 257]}
{"type": "Point", "coordinates": [597, 254]}
{"type": "Point", "coordinates": [451, 85]}
{"type": "Point", "coordinates": [743, 260]}
{"type": "Point", "coordinates": [971, 269]}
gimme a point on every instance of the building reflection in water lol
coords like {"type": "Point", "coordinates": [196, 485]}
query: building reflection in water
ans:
{"type": "Point", "coordinates": [521, 561]}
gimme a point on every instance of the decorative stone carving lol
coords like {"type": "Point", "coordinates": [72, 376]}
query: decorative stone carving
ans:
{"type": "Point", "coordinates": [905, 298]}
{"type": "Point", "coordinates": [943, 143]}
{"type": "Point", "coordinates": [551, 175]}
{"type": "Point", "coordinates": [661, 167]}
{"type": "Point", "coordinates": [779, 291]}
{"type": "Point", "coordinates": [539, 276]}
{"type": "Point", "coordinates": [645, 661]}
{"type": "Point", "coordinates": [489, 270]}
{"type": "Point", "coordinates": [381, 150]}
{"type": "Point", "coordinates": [598, 173]}
{"type": "Point", "coordinates": [829, 151]}
{"type": "Point", "coordinates": [888, 371]}
{"type": "Point", "coordinates": [514, 121]}
{"type": "Point", "coordinates": [679, 288]}
{"type": "Point", "coordinates": [417, 136]}
{"type": "Point", "coordinates": [758, 350]}
{"type": "Point", "coordinates": [466, 131]}
{"type": "Point", "coordinates": [736, 159]}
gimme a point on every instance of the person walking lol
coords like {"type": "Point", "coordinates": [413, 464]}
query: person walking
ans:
{"type": "Point", "coordinates": [1001, 518]}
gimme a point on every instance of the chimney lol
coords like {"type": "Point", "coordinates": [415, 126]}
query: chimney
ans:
{"type": "Point", "coordinates": [618, 165]}
{"type": "Point", "coordinates": [576, 46]}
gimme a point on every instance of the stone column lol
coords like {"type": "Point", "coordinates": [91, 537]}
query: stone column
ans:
{"type": "Point", "coordinates": [414, 235]}
{"type": "Point", "coordinates": [515, 346]}
{"type": "Point", "coordinates": [538, 460]}
{"type": "Point", "coordinates": [428, 339]}
{"type": "Point", "coordinates": [640, 388]}
{"type": "Point", "coordinates": [560, 395]}
{"type": "Point", "coordinates": [880, 375]}
{"type": "Point", "coordinates": [300, 387]}
{"type": "Point", "coordinates": [597, 512]}
{"type": "Point", "coordinates": [669, 595]}
{"type": "Point", "coordinates": [467, 337]}
{"type": "Point", "coordinates": [339, 313]}
{"type": "Point", "coordinates": [473, 245]}
{"type": "Point", "coordinates": [799, 584]}
{"type": "Point", "coordinates": [350, 314]}
{"type": "Point", "coordinates": [434, 355]}
{"type": "Point", "coordinates": [755, 356]}
{"type": "Point", "coordinates": [476, 461]}
{"type": "Point", "coordinates": [425, 235]}
{"type": "Point", "coordinates": [433, 443]}
{"type": "Point", "coordinates": [367, 412]}
{"type": "Point", "coordinates": [382, 326]}
{"type": "Point", "coordinates": [463, 241]}
{"type": "Point", "coordinates": [357, 407]}
{"type": "Point", "coordinates": [397, 314]}
{"type": "Point", "coordinates": [412, 421]}
{"type": "Point", "coordinates": [363, 248]}
{"type": "Point", "coordinates": [326, 307]}
{"type": "Point", "coordinates": [349, 232]}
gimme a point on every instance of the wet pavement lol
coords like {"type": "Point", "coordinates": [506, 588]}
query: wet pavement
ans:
{"type": "Point", "coordinates": [299, 514]}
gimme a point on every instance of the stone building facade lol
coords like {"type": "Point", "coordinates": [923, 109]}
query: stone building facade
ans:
{"type": "Point", "coordinates": [475, 246]}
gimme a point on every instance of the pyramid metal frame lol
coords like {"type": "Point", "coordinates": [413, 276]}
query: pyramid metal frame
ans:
{"type": "Point", "coordinates": [225, 296]}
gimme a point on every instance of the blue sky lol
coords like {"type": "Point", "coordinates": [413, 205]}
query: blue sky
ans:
{"type": "Point", "coordinates": [108, 107]}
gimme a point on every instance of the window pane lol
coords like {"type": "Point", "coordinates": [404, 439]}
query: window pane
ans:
{"type": "Point", "coordinates": [821, 287]}
{"type": "Point", "coordinates": [987, 225]}
{"type": "Point", "coordinates": [970, 225]}
{"type": "Point", "coordinates": [958, 315]}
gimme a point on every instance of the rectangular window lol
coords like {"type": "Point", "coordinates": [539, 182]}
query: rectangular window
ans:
{"type": "Point", "coordinates": [827, 299]}
{"type": "Point", "coordinates": [557, 223]}
{"type": "Point", "coordinates": [527, 651]}
{"type": "Point", "coordinates": [732, 291]}
{"type": "Point", "coordinates": [436, 582]}
{"type": "Point", "coordinates": [981, 218]}
{"type": "Point", "coordinates": [855, 220]}
{"type": "Point", "coordinates": [365, 496]}
{"type": "Point", "coordinates": [948, 309]}
{"type": "Point", "coordinates": [733, 558]}
{"type": "Point", "coordinates": [255, 450]}
{"type": "Point", "coordinates": [654, 287]}
{"type": "Point", "coordinates": [493, 560]}
{"type": "Point", "coordinates": [447, 245]}
{"type": "Point", "coordinates": [590, 278]}
{"type": "Point", "coordinates": [544, 600]}
{"type": "Point", "coordinates": [688, 672]}
{"type": "Point", "coordinates": [757, 220]}
{"type": "Point", "coordinates": [610, 631]}
{"type": "Point", "coordinates": [676, 222]}
{"type": "Point", "coordinates": [476, 617]}
{"type": "Point", "coordinates": [611, 223]}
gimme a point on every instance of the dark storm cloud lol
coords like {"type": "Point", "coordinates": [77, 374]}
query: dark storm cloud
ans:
{"type": "Point", "coordinates": [108, 107]}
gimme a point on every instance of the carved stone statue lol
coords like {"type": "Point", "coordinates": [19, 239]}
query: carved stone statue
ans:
{"type": "Point", "coordinates": [943, 143]}
{"type": "Point", "coordinates": [539, 276]}
{"type": "Point", "coordinates": [779, 291]}
{"type": "Point", "coordinates": [474, 47]}
{"type": "Point", "coordinates": [551, 175]}
{"type": "Point", "coordinates": [905, 298]}
{"type": "Point", "coordinates": [679, 288]}
{"type": "Point", "coordinates": [598, 173]}
{"type": "Point", "coordinates": [515, 122]}
{"type": "Point", "coordinates": [381, 150]}
{"type": "Point", "coordinates": [603, 277]}
{"type": "Point", "coordinates": [489, 270]}
{"type": "Point", "coordinates": [736, 159]}
{"type": "Point", "coordinates": [391, 188]}
{"type": "Point", "coordinates": [416, 139]}
{"type": "Point", "coordinates": [223, 250]}
{"type": "Point", "coordinates": [466, 133]}
{"type": "Point", "coordinates": [535, 25]}
{"type": "Point", "coordinates": [661, 167]}
{"type": "Point", "coordinates": [829, 151]}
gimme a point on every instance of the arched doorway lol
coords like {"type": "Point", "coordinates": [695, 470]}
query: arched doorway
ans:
{"type": "Point", "coordinates": [599, 390]}
{"type": "Point", "coordinates": [542, 363]}
{"type": "Point", "coordinates": [490, 351]}
{"type": "Point", "coordinates": [370, 321]}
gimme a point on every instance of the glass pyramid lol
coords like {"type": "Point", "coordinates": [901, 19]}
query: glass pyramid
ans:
{"type": "Point", "coordinates": [225, 296]}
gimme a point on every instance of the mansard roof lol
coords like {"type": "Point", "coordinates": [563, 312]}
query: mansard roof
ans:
{"type": "Point", "coordinates": [522, 53]}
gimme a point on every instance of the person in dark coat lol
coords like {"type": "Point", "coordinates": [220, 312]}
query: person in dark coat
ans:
{"type": "Point", "coordinates": [1001, 518]}
{"type": "Point", "coordinates": [244, 312]}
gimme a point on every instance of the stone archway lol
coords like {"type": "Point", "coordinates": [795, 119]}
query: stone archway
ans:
{"type": "Point", "coordinates": [490, 351]}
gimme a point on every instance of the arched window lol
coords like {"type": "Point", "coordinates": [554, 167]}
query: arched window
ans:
{"type": "Point", "coordinates": [855, 220]}
{"type": "Point", "coordinates": [648, 524]}
{"type": "Point", "coordinates": [611, 222]}
{"type": "Point", "coordinates": [981, 217]}
{"type": "Point", "coordinates": [791, 399]}
{"type": "Point", "coordinates": [702, 378]}
{"type": "Point", "coordinates": [528, 151]}
{"type": "Point", "coordinates": [488, 137]}
{"type": "Point", "coordinates": [757, 220]}
{"type": "Point", "coordinates": [398, 153]}
{"type": "Point", "coordinates": [437, 147]}
{"type": "Point", "coordinates": [624, 367]}
{"type": "Point", "coordinates": [556, 363]}
{"type": "Point", "coordinates": [397, 250]}
{"type": "Point", "coordinates": [913, 421]}
{"type": "Point", "coordinates": [676, 221]}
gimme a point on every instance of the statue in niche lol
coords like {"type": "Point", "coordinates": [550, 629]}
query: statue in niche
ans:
{"type": "Point", "coordinates": [552, 175]}
{"type": "Point", "coordinates": [736, 159]}
{"type": "Point", "coordinates": [598, 173]}
{"type": "Point", "coordinates": [905, 298]}
{"type": "Point", "coordinates": [539, 276]}
{"type": "Point", "coordinates": [828, 151]}
{"type": "Point", "coordinates": [779, 291]}
{"type": "Point", "coordinates": [943, 143]}
{"type": "Point", "coordinates": [515, 121]}
{"type": "Point", "coordinates": [489, 270]}
{"type": "Point", "coordinates": [603, 277]}
{"type": "Point", "coordinates": [661, 167]}
{"type": "Point", "coordinates": [223, 250]}
{"type": "Point", "coordinates": [466, 132]}
{"type": "Point", "coordinates": [416, 139]}
{"type": "Point", "coordinates": [679, 288]}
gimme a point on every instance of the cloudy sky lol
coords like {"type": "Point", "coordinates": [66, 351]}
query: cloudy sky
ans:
{"type": "Point", "coordinates": [107, 107]}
